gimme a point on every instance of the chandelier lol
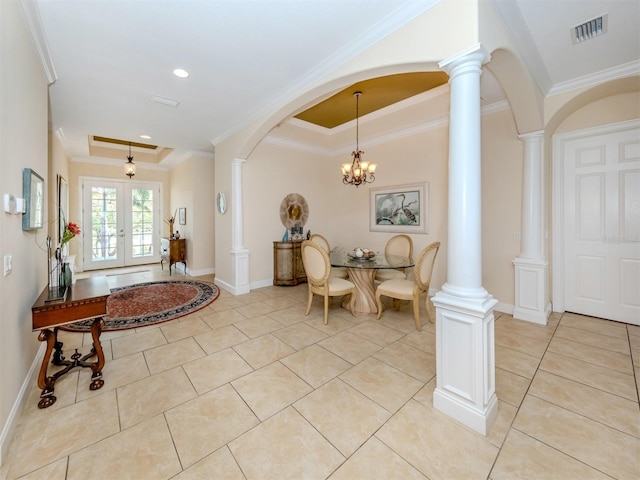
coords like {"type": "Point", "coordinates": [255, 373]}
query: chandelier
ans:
{"type": "Point", "coordinates": [358, 171]}
{"type": "Point", "coordinates": [129, 166]}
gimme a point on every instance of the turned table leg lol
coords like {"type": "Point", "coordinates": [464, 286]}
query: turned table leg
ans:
{"type": "Point", "coordinates": [45, 383]}
{"type": "Point", "coordinates": [96, 377]}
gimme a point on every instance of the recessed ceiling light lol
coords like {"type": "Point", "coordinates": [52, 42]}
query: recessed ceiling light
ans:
{"type": "Point", "coordinates": [179, 72]}
{"type": "Point", "coordinates": [146, 137]}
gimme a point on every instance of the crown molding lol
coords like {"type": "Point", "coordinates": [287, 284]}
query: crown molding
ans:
{"type": "Point", "coordinates": [31, 16]}
{"type": "Point", "coordinates": [271, 139]}
{"type": "Point", "coordinates": [110, 162]}
{"type": "Point", "coordinates": [626, 70]}
{"type": "Point", "coordinates": [439, 122]}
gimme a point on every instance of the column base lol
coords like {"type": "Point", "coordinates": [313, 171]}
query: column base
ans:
{"type": "Point", "coordinates": [240, 265]}
{"type": "Point", "coordinates": [531, 295]}
{"type": "Point", "coordinates": [478, 420]}
{"type": "Point", "coordinates": [465, 359]}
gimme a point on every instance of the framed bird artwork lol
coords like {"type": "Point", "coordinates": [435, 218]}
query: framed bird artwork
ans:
{"type": "Point", "coordinates": [400, 209]}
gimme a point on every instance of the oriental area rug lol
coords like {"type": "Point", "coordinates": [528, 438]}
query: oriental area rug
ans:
{"type": "Point", "coordinates": [150, 303]}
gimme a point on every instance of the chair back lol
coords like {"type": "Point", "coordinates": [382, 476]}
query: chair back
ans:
{"type": "Point", "coordinates": [400, 245]}
{"type": "Point", "coordinates": [424, 266]}
{"type": "Point", "coordinates": [316, 263]}
{"type": "Point", "coordinates": [320, 240]}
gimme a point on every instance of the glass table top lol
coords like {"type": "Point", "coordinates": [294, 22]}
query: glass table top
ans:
{"type": "Point", "coordinates": [342, 259]}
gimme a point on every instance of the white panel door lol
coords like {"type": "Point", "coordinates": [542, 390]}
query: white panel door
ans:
{"type": "Point", "coordinates": [602, 225]}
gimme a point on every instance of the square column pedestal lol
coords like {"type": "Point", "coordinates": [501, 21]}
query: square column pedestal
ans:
{"type": "Point", "coordinates": [532, 298]}
{"type": "Point", "coordinates": [465, 357]}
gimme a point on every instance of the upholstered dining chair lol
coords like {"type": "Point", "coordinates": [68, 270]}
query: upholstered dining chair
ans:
{"type": "Point", "coordinates": [319, 280]}
{"type": "Point", "coordinates": [402, 246]}
{"type": "Point", "coordinates": [402, 289]}
{"type": "Point", "coordinates": [339, 272]}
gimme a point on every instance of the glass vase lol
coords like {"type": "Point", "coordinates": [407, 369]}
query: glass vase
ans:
{"type": "Point", "coordinates": [65, 274]}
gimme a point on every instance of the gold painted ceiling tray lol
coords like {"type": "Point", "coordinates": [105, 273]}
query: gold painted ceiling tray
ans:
{"type": "Point", "coordinates": [294, 210]}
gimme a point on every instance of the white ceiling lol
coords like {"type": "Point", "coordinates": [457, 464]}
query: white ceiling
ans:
{"type": "Point", "coordinates": [247, 57]}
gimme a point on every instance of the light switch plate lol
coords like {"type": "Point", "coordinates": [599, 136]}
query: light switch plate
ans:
{"type": "Point", "coordinates": [8, 261]}
{"type": "Point", "coordinates": [9, 203]}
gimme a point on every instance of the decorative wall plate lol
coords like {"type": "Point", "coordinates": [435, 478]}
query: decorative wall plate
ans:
{"type": "Point", "coordinates": [294, 210]}
{"type": "Point", "coordinates": [221, 203]}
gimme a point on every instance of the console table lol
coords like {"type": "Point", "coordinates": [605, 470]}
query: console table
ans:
{"type": "Point", "coordinates": [173, 250]}
{"type": "Point", "coordinates": [85, 300]}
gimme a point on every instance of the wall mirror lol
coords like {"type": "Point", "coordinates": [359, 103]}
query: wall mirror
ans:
{"type": "Point", "coordinates": [33, 193]}
{"type": "Point", "coordinates": [63, 206]}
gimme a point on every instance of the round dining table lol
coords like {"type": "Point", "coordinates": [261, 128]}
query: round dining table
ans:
{"type": "Point", "coordinates": [363, 273]}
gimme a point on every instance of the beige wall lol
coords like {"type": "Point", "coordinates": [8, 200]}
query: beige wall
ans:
{"type": "Point", "coordinates": [341, 213]}
{"type": "Point", "coordinates": [78, 169]}
{"type": "Point", "coordinates": [269, 174]}
{"type": "Point", "coordinates": [192, 187]}
{"type": "Point", "coordinates": [188, 185]}
{"type": "Point", "coordinates": [502, 158]}
{"type": "Point", "coordinates": [58, 166]}
{"type": "Point", "coordinates": [23, 144]}
{"type": "Point", "coordinates": [612, 109]}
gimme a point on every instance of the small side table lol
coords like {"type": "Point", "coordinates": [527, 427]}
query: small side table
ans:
{"type": "Point", "coordinates": [85, 300]}
{"type": "Point", "coordinates": [173, 250]}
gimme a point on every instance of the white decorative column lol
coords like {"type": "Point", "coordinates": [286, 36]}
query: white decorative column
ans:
{"type": "Point", "coordinates": [531, 276]}
{"type": "Point", "coordinates": [465, 348]}
{"type": "Point", "coordinates": [239, 253]}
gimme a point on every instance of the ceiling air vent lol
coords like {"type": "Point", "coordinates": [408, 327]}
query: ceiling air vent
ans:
{"type": "Point", "coordinates": [590, 29]}
{"type": "Point", "coordinates": [164, 101]}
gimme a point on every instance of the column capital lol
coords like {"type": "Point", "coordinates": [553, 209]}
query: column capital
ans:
{"type": "Point", "coordinates": [530, 136]}
{"type": "Point", "coordinates": [474, 56]}
{"type": "Point", "coordinates": [238, 161]}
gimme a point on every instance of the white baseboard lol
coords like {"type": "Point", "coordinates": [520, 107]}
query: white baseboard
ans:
{"type": "Point", "coordinates": [198, 273]}
{"type": "Point", "coordinates": [504, 308]}
{"type": "Point", "coordinates": [8, 432]}
{"type": "Point", "coordinates": [262, 284]}
{"type": "Point", "coordinates": [227, 287]}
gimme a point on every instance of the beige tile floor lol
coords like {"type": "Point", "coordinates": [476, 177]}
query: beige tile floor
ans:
{"type": "Point", "coordinates": [250, 388]}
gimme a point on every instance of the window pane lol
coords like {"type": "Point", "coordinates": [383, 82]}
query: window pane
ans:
{"type": "Point", "coordinates": [103, 224]}
{"type": "Point", "coordinates": [142, 222]}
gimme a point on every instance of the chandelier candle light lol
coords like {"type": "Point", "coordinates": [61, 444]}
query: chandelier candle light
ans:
{"type": "Point", "coordinates": [358, 171]}
{"type": "Point", "coordinates": [129, 166]}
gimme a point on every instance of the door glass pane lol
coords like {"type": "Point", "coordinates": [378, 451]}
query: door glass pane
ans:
{"type": "Point", "coordinates": [104, 235]}
{"type": "Point", "coordinates": [142, 222]}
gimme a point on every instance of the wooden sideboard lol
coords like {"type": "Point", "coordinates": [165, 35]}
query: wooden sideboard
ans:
{"type": "Point", "coordinates": [173, 251]}
{"type": "Point", "coordinates": [287, 263]}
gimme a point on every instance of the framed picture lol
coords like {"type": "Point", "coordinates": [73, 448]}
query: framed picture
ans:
{"type": "Point", "coordinates": [400, 209]}
{"type": "Point", "coordinates": [182, 216]}
{"type": "Point", "coordinates": [33, 193]}
{"type": "Point", "coordinates": [63, 206]}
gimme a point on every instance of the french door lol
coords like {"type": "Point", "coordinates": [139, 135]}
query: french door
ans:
{"type": "Point", "coordinates": [120, 223]}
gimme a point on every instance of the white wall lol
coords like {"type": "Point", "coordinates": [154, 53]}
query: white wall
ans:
{"type": "Point", "coordinates": [23, 144]}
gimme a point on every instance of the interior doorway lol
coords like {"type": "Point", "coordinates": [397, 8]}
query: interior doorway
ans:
{"type": "Point", "coordinates": [120, 223]}
{"type": "Point", "coordinates": [597, 222]}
